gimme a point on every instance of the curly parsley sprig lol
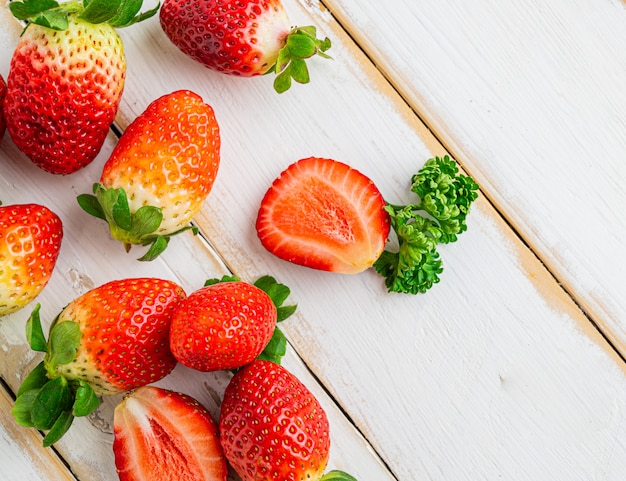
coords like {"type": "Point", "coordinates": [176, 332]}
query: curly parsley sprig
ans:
{"type": "Point", "coordinates": [439, 217]}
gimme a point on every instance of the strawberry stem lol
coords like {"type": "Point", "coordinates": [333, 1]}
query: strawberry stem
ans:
{"type": "Point", "coordinates": [337, 475]}
{"type": "Point", "coordinates": [301, 43]}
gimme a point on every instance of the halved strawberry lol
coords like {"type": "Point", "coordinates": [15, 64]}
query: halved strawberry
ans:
{"type": "Point", "coordinates": [30, 241]}
{"type": "Point", "coordinates": [272, 428]}
{"type": "Point", "coordinates": [162, 435]}
{"type": "Point", "coordinates": [323, 214]}
{"type": "Point", "coordinates": [228, 323]}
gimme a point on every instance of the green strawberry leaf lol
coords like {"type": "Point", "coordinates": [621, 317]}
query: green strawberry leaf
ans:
{"type": "Point", "coordinates": [276, 348]}
{"type": "Point", "coordinates": [279, 294]}
{"type": "Point", "coordinates": [58, 429]}
{"type": "Point", "coordinates": [52, 399]}
{"type": "Point", "coordinates": [35, 379]}
{"type": "Point", "coordinates": [89, 203]}
{"type": "Point", "coordinates": [63, 344]}
{"type": "Point", "coordinates": [31, 8]}
{"type": "Point", "coordinates": [210, 282]}
{"type": "Point", "coordinates": [301, 45]}
{"type": "Point", "coordinates": [128, 14]}
{"type": "Point", "coordinates": [337, 475]}
{"type": "Point", "coordinates": [23, 406]}
{"type": "Point", "coordinates": [86, 400]}
{"type": "Point", "coordinates": [299, 71]}
{"type": "Point", "coordinates": [145, 221]}
{"type": "Point", "coordinates": [157, 246]}
{"type": "Point", "coordinates": [99, 11]}
{"type": "Point", "coordinates": [282, 82]}
{"type": "Point", "coordinates": [120, 211]}
{"type": "Point", "coordinates": [34, 332]}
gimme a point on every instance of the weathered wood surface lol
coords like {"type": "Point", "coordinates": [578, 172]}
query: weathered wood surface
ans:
{"type": "Point", "coordinates": [496, 373]}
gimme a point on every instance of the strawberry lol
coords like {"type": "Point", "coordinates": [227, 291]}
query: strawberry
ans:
{"type": "Point", "coordinates": [159, 173]}
{"type": "Point", "coordinates": [109, 340]}
{"type": "Point", "coordinates": [66, 79]}
{"type": "Point", "coordinates": [3, 92]}
{"type": "Point", "coordinates": [323, 214]}
{"type": "Point", "coordinates": [242, 37]}
{"type": "Point", "coordinates": [228, 323]}
{"type": "Point", "coordinates": [272, 428]}
{"type": "Point", "coordinates": [30, 240]}
{"type": "Point", "coordinates": [163, 435]}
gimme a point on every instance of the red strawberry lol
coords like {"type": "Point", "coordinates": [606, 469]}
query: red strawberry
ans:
{"type": "Point", "coordinates": [65, 81]}
{"type": "Point", "coordinates": [109, 340]}
{"type": "Point", "coordinates": [30, 240]}
{"type": "Point", "coordinates": [3, 92]}
{"type": "Point", "coordinates": [272, 428]}
{"type": "Point", "coordinates": [162, 435]}
{"type": "Point", "coordinates": [228, 323]}
{"type": "Point", "coordinates": [323, 214]}
{"type": "Point", "coordinates": [160, 172]}
{"type": "Point", "coordinates": [245, 38]}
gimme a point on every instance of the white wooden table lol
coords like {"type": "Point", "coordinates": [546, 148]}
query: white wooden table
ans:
{"type": "Point", "coordinates": [513, 366]}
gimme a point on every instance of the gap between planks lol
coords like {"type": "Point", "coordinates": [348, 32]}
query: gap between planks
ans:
{"type": "Point", "coordinates": [440, 139]}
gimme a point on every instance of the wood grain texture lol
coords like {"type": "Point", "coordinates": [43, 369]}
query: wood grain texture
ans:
{"type": "Point", "coordinates": [493, 374]}
{"type": "Point", "coordinates": [531, 98]}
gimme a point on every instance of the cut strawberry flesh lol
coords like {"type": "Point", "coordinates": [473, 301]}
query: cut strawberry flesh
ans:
{"type": "Point", "coordinates": [323, 214]}
{"type": "Point", "coordinates": [166, 436]}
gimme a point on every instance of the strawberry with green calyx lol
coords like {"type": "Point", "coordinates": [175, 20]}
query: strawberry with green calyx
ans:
{"type": "Point", "coordinates": [272, 428]}
{"type": "Point", "coordinates": [228, 323]}
{"type": "Point", "coordinates": [162, 435]}
{"type": "Point", "coordinates": [159, 173]}
{"type": "Point", "coordinates": [323, 214]}
{"type": "Point", "coordinates": [109, 340]}
{"type": "Point", "coordinates": [66, 78]}
{"type": "Point", "coordinates": [244, 38]}
{"type": "Point", "coordinates": [30, 242]}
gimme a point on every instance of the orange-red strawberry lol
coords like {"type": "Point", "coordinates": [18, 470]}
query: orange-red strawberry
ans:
{"type": "Point", "coordinates": [272, 428]}
{"type": "Point", "coordinates": [30, 240]}
{"type": "Point", "coordinates": [162, 435]}
{"type": "Point", "coordinates": [3, 92]}
{"type": "Point", "coordinates": [109, 340]}
{"type": "Point", "coordinates": [159, 173]}
{"type": "Point", "coordinates": [66, 79]}
{"type": "Point", "coordinates": [245, 38]}
{"type": "Point", "coordinates": [323, 214]}
{"type": "Point", "coordinates": [228, 323]}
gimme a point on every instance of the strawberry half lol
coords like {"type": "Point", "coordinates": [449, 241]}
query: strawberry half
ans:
{"type": "Point", "coordinates": [3, 92]}
{"type": "Point", "coordinates": [159, 173]}
{"type": "Point", "coordinates": [66, 79]}
{"type": "Point", "coordinates": [109, 340]}
{"type": "Point", "coordinates": [245, 38]}
{"type": "Point", "coordinates": [228, 323]}
{"type": "Point", "coordinates": [272, 428]}
{"type": "Point", "coordinates": [163, 435]}
{"type": "Point", "coordinates": [30, 241]}
{"type": "Point", "coordinates": [323, 214]}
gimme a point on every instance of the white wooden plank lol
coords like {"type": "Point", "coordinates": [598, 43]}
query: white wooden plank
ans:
{"type": "Point", "coordinates": [530, 96]}
{"type": "Point", "coordinates": [424, 377]}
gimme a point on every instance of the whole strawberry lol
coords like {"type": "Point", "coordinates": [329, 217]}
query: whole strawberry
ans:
{"type": "Point", "coordinates": [245, 38]}
{"type": "Point", "coordinates": [109, 340]}
{"type": "Point", "coordinates": [162, 435]}
{"type": "Point", "coordinates": [272, 428]}
{"type": "Point", "coordinates": [66, 79]}
{"type": "Point", "coordinates": [30, 240]}
{"type": "Point", "coordinates": [3, 92]}
{"type": "Point", "coordinates": [228, 323]}
{"type": "Point", "coordinates": [159, 173]}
